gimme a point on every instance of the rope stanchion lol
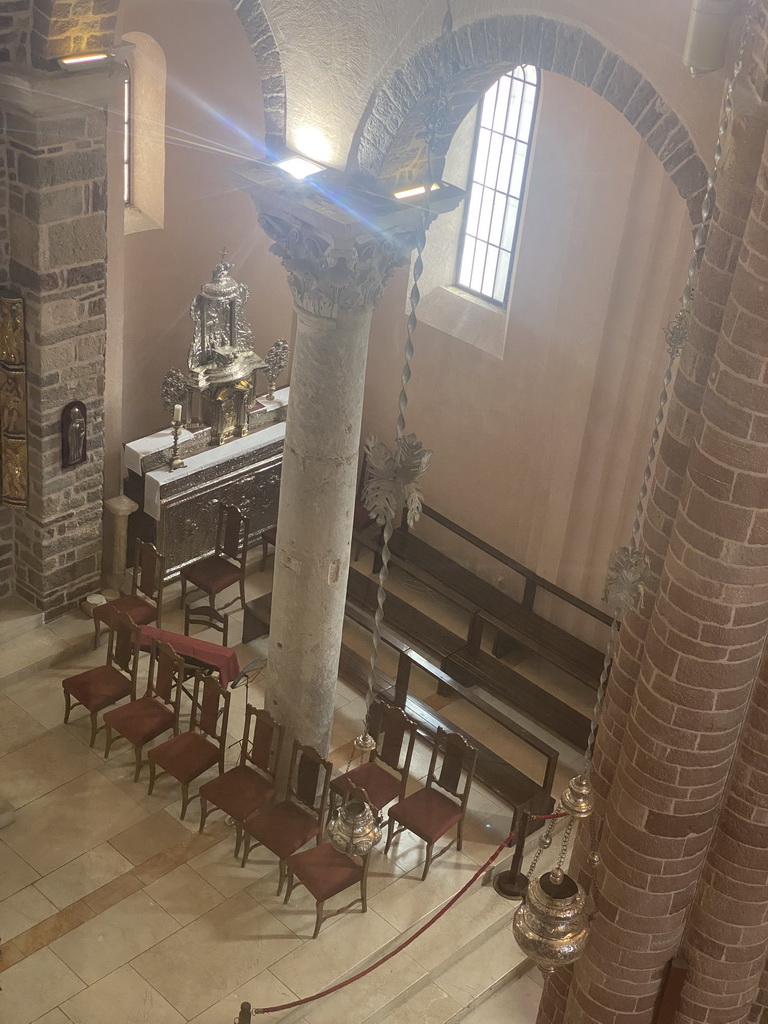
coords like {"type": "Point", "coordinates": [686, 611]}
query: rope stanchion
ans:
{"type": "Point", "coordinates": [393, 952]}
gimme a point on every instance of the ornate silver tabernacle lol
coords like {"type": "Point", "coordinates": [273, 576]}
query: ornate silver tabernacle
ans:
{"type": "Point", "coordinates": [222, 361]}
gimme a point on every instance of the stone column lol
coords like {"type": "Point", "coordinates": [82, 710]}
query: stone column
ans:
{"type": "Point", "coordinates": [56, 129]}
{"type": "Point", "coordinates": [338, 258]}
{"type": "Point", "coordinates": [702, 653]}
{"type": "Point", "coordinates": [117, 510]}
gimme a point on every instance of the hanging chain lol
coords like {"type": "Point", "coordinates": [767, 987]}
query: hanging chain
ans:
{"type": "Point", "coordinates": [435, 121]}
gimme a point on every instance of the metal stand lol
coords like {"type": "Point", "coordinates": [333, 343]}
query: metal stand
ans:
{"type": "Point", "coordinates": [512, 884]}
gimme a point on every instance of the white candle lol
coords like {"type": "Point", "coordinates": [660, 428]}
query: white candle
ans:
{"type": "Point", "coordinates": [177, 414]}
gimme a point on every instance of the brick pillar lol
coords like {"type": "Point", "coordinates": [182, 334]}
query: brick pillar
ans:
{"type": "Point", "coordinates": [726, 935]}
{"type": "Point", "coordinates": [56, 166]}
{"type": "Point", "coordinates": [702, 652]}
{"type": "Point", "coordinates": [759, 1012]}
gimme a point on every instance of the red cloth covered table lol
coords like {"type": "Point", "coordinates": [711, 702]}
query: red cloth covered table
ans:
{"type": "Point", "coordinates": [222, 659]}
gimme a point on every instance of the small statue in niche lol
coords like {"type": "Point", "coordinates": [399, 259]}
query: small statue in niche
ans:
{"type": "Point", "coordinates": [74, 430]}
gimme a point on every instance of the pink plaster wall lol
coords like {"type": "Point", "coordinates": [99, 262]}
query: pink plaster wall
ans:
{"type": "Point", "coordinates": [213, 99]}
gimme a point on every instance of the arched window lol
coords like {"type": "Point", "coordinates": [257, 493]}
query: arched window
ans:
{"type": "Point", "coordinates": [144, 139]}
{"type": "Point", "coordinates": [127, 141]}
{"type": "Point", "coordinates": [496, 184]}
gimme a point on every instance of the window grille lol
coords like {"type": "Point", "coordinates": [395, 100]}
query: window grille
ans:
{"type": "Point", "coordinates": [127, 141]}
{"type": "Point", "coordinates": [497, 183]}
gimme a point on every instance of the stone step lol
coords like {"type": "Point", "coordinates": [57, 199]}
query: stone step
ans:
{"type": "Point", "coordinates": [17, 618]}
{"type": "Point", "coordinates": [26, 654]}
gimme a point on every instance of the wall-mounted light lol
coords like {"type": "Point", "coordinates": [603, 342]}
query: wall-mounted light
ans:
{"type": "Point", "coordinates": [707, 38]}
{"type": "Point", "coordinates": [299, 166]}
{"type": "Point", "coordinates": [417, 190]}
{"type": "Point", "coordinates": [78, 61]}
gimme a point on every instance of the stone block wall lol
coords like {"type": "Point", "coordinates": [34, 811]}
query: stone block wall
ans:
{"type": "Point", "coordinates": [63, 27]}
{"type": "Point", "coordinates": [57, 224]}
{"type": "Point", "coordinates": [15, 22]}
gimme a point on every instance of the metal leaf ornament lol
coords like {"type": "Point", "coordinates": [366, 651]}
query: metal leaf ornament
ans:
{"type": "Point", "coordinates": [393, 478]}
{"type": "Point", "coordinates": [629, 573]}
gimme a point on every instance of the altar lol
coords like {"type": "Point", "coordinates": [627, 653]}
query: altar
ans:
{"type": "Point", "coordinates": [178, 510]}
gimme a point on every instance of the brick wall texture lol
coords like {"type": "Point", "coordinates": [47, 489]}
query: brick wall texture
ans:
{"type": "Point", "coordinates": [57, 222]}
{"type": "Point", "coordinates": [63, 27]}
{"type": "Point", "coordinates": [15, 28]}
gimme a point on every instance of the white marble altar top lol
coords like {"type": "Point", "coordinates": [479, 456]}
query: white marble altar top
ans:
{"type": "Point", "coordinates": [159, 478]}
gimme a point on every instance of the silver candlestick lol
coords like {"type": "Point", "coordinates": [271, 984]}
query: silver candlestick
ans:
{"type": "Point", "coordinates": [175, 462]}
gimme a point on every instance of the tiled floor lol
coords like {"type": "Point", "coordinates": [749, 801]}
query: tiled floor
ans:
{"type": "Point", "coordinates": [111, 908]}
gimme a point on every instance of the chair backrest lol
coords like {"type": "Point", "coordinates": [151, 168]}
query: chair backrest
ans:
{"type": "Point", "coordinates": [210, 709]}
{"type": "Point", "coordinates": [458, 759]}
{"type": "Point", "coordinates": [148, 571]}
{"type": "Point", "coordinates": [166, 675]}
{"type": "Point", "coordinates": [232, 533]}
{"type": "Point", "coordinates": [204, 615]}
{"type": "Point", "coordinates": [262, 740]}
{"type": "Point", "coordinates": [123, 647]}
{"type": "Point", "coordinates": [309, 779]}
{"type": "Point", "coordinates": [389, 725]}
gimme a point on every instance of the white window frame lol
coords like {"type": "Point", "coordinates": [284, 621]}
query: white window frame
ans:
{"type": "Point", "coordinates": [146, 145]}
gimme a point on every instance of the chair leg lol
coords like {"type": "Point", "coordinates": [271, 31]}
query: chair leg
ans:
{"type": "Point", "coordinates": [356, 548]}
{"type": "Point", "coordinates": [460, 834]}
{"type": "Point", "coordinates": [264, 546]}
{"type": "Point", "coordinates": [238, 838]}
{"type": "Point", "coordinates": [246, 850]}
{"type": "Point", "coordinates": [283, 875]}
{"type": "Point", "coordinates": [390, 836]}
{"type": "Point", "coordinates": [94, 727]}
{"type": "Point", "coordinates": [108, 741]}
{"type": "Point", "coordinates": [242, 591]}
{"type": "Point", "coordinates": [184, 800]}
{"type": "Point", "coordinates": [364, 893]}
{"type": "Point", "coordinates": [137, 749]}
{"type": "Point", "coordinates": [212, 601]}
{"type": "Point", "coordinates": [95, 632]}
{"type": "Point", "coordinates": [318, 918]}
{"type": "Point", "coordinates": [183, 591]}
{"type": "Point", "coordinates": [289, 887]}
{"type": "Point", "coordinates": [203, 812]}
{"type": "Point", "coordinates": [430, 848]}
{"type": "Point", "coordinates": [152, 777]}
{"type": "Point", "coordinates": [67, 706]}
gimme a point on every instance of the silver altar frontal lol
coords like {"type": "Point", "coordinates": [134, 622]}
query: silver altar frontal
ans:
{"type": "Point", "coordinates": [224, 444]}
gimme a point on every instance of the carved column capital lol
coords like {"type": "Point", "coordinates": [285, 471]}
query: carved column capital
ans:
{"type": "Point", "coordinates": [327, 275]}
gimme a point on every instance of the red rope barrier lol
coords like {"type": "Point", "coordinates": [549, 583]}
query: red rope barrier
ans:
{"type": "Point", "coordinates": [548, 817]}
{"type": "Point", "coordinates": [397, 949]}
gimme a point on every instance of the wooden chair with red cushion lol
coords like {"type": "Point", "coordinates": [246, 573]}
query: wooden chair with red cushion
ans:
{"type": "Point", "coordinates": [99, 687]}
{"type": "Point", "coordinates": [226, 566]}
{"type": "Point", "coordinates": [325, 872]}
{"type": "Point", "coordinates": [395, 736]}
{"type": "Point", "coordinates": [203, 745]}
{"type": "Point", "coordinates": [430, 812]}
{"type": "Point", "coordinates": [157, 711]}
{"type": "Point", "coordinates": [144, 604]}
{"type": "Point", "coordinates": [242, 790]}
{"type": "Point", "coordinates": [287, 826]}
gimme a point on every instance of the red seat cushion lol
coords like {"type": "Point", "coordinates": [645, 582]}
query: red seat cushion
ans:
{"type": "Point", "coordinates": [141, 611]}
{"type": "Point", "coordinates": [325, 871]}
{"type": "Point", "coordinates": [185, 756]}
{"type": "Point", "coordinates": [283, 828]}
{"type": "Point", "coordinates": [379, 784]}
{"type": "Point", "coordinates": [428, 813]}
{"type": "Point", "coordinates": [98, 687]}
{"type": "Point", "coordinates": [212, 574]}
{"type": "Point", "coordinates": [141, 720]}
{"type": "Point", "coordinates": [238, 792]}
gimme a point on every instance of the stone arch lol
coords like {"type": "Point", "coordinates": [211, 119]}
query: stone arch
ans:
{"type": "Point", "coordinates": [389, 143]}
{"type": "Point", "coordinates": [254, 21]}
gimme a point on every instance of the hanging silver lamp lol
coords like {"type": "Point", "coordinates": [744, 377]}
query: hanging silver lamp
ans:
{"type": "Point", "coordinates": [355, 827]}
{"type": "Point", "coordinates": [577, 798]}
{"type": "Point", "coordinates": [551, 924]}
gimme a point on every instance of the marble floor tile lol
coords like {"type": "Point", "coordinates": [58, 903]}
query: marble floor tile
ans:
{"type": "Point", "coordinates": [35, 986]}
{"type": "Point", "coordinates": [53, 927]}
{"type": "Point", "coordinates": [184, 894]}
{"type": "Point", "coordinates": [365, 997]}
{"type": "Point", "coordinates": [23, 910]}
{"type": "Point", "coordinates": [73, 627]}
{"type": "Point", "coordinates": [17, 728]}
{"type": "Point", "coordinates": [83, 875]}
{"type": "Point", "coordinates": [69, 821]}
{"type": "Point", "coordinates": [411, 899]}
{"type": "Point", "coordinates": [218, 952]}
{"type": "Point", "coordinates": [514, 1003]}
{"type": "Point", "coordinates": [218, 866]}
{"type": "Point", "coordinates": [263, 990]}
{"type": "Point", "coordinates": [431, 1005]}
{"type": "Point", "coordinates": [114, 937]}
{"type": "Point", "coordinates": [335, 952]}
{"type": "Point", "coordinates": [137, 1001]}
{"type": "Point", "coordinates": [153, 834]}
{"type": "Point", "coordinates": [15, 873]}
{"type": "Point", "coordinates": [39, 767]}
{"type": "Point", "coordinates": [55, 1016]}
{"type": "Point", "coordinates": [494, 959]}
{"type": "Point", "coordinates": [30, 648]}
{"type": "Point", "coordinates": [40, 695]}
